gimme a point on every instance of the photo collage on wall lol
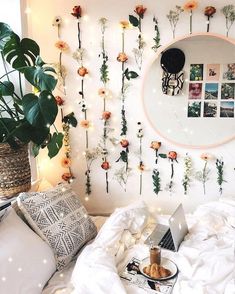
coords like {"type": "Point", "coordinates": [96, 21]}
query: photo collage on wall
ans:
{"type": "Point", "coordinates": [211, 90]}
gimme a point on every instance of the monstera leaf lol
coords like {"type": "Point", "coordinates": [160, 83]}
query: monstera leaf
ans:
{"type": "Point", "coordinates": [21, 53]}
{"type": "Point", "coordinates": [55, 144]}
{"type": "Point", "coordinates": [5, 34]}
{"type": "Point", "coordinates": [41, 76]}
{"type": "Point", "coordinates": [40, 111]}
{"type": "Point", "coordinates": [6, 88]}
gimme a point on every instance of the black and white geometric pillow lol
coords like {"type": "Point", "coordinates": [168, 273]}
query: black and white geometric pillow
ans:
{"type": "Point", "coordinates": [60, 219]}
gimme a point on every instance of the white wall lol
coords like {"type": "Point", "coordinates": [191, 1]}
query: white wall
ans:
{"type": "Point", "coordinates": [42, 14]}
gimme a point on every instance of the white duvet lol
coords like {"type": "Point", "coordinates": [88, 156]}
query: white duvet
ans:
{"type": "Point", "coordinates": [206, 259]}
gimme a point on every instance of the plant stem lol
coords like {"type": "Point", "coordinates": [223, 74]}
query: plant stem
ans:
{"type": "Point", "coordinates": [79, 36]}
{"type": "Point", "coordinates": [20, 83]}
{"type": "Point", "coordinates": [191, 21]}
{"type": "Point", "coordinates": [4, 65]}
{"type": "Point", "coordinates": [204, 178]}
{"type": "Point", "coordinates": [208, 24]}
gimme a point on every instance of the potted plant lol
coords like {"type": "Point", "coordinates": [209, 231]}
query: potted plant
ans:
{"type": "Point", "coordinates": [25, 116]}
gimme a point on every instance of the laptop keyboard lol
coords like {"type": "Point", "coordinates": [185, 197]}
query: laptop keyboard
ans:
{"type": "Point", "coordinates": [167, 241]}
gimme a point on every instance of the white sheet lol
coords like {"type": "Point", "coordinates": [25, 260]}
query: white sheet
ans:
{"type": "Point", "coordinates": [206, 259]}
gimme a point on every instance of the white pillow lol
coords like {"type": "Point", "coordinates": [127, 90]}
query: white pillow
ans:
{"type": "Point", "coordinates": [26, 261]}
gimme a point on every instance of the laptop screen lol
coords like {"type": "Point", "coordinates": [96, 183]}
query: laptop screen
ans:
{"type": "Point", "coordinates": [178, 226]}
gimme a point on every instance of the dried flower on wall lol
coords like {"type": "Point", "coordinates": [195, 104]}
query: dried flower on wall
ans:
{"type": "Point", "coordinates": [203, 176]}
{"type": "Point", "coordinates": [157, 38]}
{"type": "Point", "coordinates": [137, 22]}
{"type": "Point", "coordinates": [172, 156]}
{"type": "Point", "coordinates": [209, 13]}
{"type": "Point", "coordinates": [141, 167]}
{"type": "Point", "coordinates": [190, 6]}
{"type": "Point", "coordinates": [82, 72]}
{"type": "Point", "coordinates": [220, 174]}
{"type": "Point", "coordinates": [229, 13]}
{"type": "Point", "coordinates": [57, 21]}
{"type": "Point", "coordinates": [187, 173]}
{"type": "Point", "coordinates": [173, 18]}
{"type": "Point", "coordinates": [155, 145]}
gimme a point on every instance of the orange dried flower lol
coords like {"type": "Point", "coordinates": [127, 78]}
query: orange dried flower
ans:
{"type": "Point", "coordinates": [172, 155]}
{"type": "Point", "coordinates": [62, 46]}
{"type": "Point", "coordinates": [66, 176]}
{"type": "Point", "coordinates": [85, 124]}
{"type": "Point", "coordinates": [82, 71]}
{"type": "Point", "coordinates": [124, 24]}
{"type": "Point", "coordinates": [190, 5]}
{"type": "Point", "coordinates": [106, 115]}
{"type": "Point", "coordinates": [66, 162]}
{"type": "Point", "coordinates": [210, 11]}
{"type": "Point", "coordinates": [122, 57]}
{"type": "Point", "coordinates": [105, 165]}
{"type": "Point", "coordinates": [124, 143]}
{"type": "Point", "coordinates": [155, 145]}
{"type": "Point", "coordinates": [206, 156]}
{"type": "Point", "coordinates": [140, 10]}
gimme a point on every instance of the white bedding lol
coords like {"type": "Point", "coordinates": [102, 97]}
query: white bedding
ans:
{"type": "Point", "coordinates": [206, 259]}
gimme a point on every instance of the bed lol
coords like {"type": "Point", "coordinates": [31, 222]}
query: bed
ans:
{"type": "Point", "coordinates": [206, 258]}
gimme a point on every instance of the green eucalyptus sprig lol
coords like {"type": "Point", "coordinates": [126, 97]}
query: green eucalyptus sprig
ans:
{"type": "Point", "coordinates": [137, 22]}
{"type": "Point", "coordinates": [220, 174]}
{"type": "Point", "coordinates": [157, 37]}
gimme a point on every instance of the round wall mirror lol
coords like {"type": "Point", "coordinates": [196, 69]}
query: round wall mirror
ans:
{"type": "Point", "coordinates": [202, 114]}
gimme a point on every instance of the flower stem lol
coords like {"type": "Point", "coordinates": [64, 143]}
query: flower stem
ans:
{"type": "Point", "coordinates": [79, 36]}
{"type": "Point", "coordinates": [208, 24]}
{"type": "Point", "coordinates": [204, 178]}
{"type": "Point", "coordinates": [191, 22]}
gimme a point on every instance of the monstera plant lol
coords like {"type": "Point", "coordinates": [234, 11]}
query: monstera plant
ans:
{"type": "Point", "coordinates": [27, 116]}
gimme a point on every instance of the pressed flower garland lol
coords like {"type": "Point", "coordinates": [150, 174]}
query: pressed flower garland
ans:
{"type": "Point", "coordinates": [106, 115]}
{"type": "Point", "coordinates": [67, 120]}
{"type": "Point", "coordinates": [125, 75]}
{"type": "Point", "coordinates": [82, 71]}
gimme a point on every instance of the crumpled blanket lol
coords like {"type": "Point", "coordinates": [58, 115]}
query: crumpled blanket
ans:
{"type": "Point", "coordinates": [206, 258]}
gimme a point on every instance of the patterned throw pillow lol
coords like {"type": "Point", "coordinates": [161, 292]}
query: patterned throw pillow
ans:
{"type": "Point", "coordinates": [60, 219]}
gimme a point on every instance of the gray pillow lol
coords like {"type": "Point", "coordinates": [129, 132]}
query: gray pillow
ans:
{"type": "Point", "coordinates": [60, 219]}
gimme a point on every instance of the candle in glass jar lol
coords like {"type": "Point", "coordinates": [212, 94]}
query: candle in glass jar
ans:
{"type": "Point", "coordinates": [155, 255]}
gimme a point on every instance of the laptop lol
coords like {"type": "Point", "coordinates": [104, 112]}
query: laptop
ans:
{"type": "Point", "coordinates": [170, 237]}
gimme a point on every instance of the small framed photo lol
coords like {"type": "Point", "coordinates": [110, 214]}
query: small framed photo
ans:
{"type": "Point", "coordinates": [196, 72]}
{"type": "Point", "coordinates": [227, 109]}
{"type": "Point", "coordinates": [210, 109]}
{"type": "Point", "coordinates": [195, 90]}
{"type": "Point", "coordinates": [194, 109]}
{"type": "Point", "coordinates": [227, 91]}
{"type": "Point", "coordinates": [213, 72]}
{"type": "Point", "coordinates": [211, 91]}
{"type": "Point", "coordinates": [229, 72]}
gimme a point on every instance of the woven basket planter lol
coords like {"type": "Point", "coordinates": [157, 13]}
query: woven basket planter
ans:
{"type": "Point", "coordinates": [15, 174]}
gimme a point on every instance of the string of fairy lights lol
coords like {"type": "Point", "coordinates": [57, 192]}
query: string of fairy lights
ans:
{"type": "Point", "coordinates": [102, 151]}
